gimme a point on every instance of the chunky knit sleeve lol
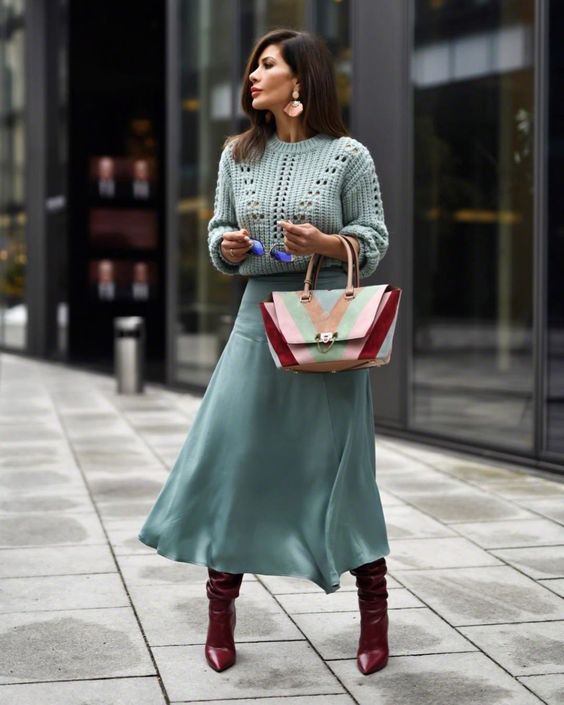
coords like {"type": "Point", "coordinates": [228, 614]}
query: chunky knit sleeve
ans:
{"type": "Point", "coordinates": [224, 219]}
{"type": "Point", "coordinates": [363, 213]}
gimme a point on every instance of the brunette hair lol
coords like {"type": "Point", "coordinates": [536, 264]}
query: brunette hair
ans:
{"type": "Point", "coordinates": [309, 58]}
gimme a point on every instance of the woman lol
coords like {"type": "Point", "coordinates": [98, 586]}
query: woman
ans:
{"type": "Point", "coordinates": [277, 473]}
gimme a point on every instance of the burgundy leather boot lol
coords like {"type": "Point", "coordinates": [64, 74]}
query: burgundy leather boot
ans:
{"type": "Point", "coordinates": [372, 654]}
{"type": "Point", "coordinates": [222, 589]}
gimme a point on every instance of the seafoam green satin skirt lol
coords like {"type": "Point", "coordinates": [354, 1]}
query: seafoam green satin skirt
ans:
{"type": "Point", "coordinates": [277, 472]}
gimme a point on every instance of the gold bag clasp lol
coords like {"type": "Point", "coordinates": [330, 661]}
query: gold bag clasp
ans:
{"type": "Point", "coordinates": [326, 338]}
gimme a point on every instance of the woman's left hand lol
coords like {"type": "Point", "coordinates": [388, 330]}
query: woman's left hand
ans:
{"type": "Point", "coordinates": [302, 239]}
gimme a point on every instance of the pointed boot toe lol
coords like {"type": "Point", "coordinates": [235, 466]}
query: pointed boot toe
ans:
{"type": "Point", "coordinates": [220, 658]}
{"type": "Point", "coordinates": [220, 645]}
{"type": "Point", "coordinates": [370, 661]}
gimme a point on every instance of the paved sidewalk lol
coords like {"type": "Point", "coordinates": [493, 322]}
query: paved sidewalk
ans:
{"type": "Point", "coordinates": [90, 615]}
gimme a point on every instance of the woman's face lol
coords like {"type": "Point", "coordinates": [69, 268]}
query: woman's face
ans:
{"type": "Point", "coordinates": [274, 78]}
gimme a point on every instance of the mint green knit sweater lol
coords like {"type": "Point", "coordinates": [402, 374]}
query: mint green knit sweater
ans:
{"type": "Point", "coordinates": [326, 181]}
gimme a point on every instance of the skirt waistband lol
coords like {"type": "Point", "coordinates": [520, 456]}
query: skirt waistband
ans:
{"type": "Point", "coordinates": [324, 273]}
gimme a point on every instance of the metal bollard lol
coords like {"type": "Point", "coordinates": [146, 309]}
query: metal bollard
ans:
{"type": "Point", "coordinates": [129, 354]}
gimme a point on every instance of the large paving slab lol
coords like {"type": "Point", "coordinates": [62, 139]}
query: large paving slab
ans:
{"type": "Point", "coordinates": [513, 533]}
{"type": "Point", "coordinates": [55, 560]}
{"type": "Point", "coordinates": [266, 667]}
{"type": "Point", "coordinates": [554, 584]}
{"type": "Point", "coordinates": [493, 595]}
{"type": "Point", "coordinates": [522, 649]}
{"type": "Point", "coordinates": [124, 542]}
{"type": "Point", "coordinates": [527, 488]}
{"type": "Point", "coordinates": [178, 614]}
{"type": "Point", "coordinates": [341, 601]}
{"type": "Point", "coordinates": [48, 529]}
{"type": "Point", "coordinates": [50, 477]}
{"type": "Point", "coordinates": [405, 522]}
{"type": "Point", "coordinates": [536, 561]}
{"type": "Point", "coordinates": [411, 631]}
{"type": "Point", "coordinates": [467, 504]}
{"type": "Point", "coordinates": [117, 510]}
{"type": "Point", "coordinates": [113, 691]}
{"type": "Point", "coordinates": [404, 484]}
{"type": "Point", "coordinates": [480, 474]}
{"type": "Point", "coordinates": [434, 679]}
{"type": "Point", "coordinates": [34, 455]}
{"type": "Point", "coordinates": [71, 644]}
{"type": "Point", "coordinates": [549, 688]}
{"type": "Point", "coordinates": [62, 592]}
{"type": "Point", "coordinates": [552, 508]}
{"type": "Point", "coordinates": [154, 569]}
{"type": "Point", "coordinates": [448, 552]}
{"type": "Point", "coordinates": [54, 503]}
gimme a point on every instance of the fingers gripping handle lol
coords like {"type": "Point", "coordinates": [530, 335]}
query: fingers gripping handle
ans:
{"type": "Point", "coordinates": [314, 266]}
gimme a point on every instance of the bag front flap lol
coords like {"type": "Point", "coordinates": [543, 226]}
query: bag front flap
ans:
{"type": "Point", "coordinates": [328, 312]}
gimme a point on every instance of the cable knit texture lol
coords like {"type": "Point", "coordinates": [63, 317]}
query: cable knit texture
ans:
{"type": "Point", "coordinates": [326, 181]}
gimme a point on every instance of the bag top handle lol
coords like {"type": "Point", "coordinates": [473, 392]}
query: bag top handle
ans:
{"type": "Point", "coordinates": [356, 264]}
{"type": "Point", "coordinates": [314, 266]}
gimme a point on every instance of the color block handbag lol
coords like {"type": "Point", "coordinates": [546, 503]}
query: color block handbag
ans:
{"type": "Point", "coordinates": [331, 330]}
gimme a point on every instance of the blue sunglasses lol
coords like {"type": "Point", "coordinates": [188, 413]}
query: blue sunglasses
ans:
{"type": "Point", "coordinates": [280, 254]}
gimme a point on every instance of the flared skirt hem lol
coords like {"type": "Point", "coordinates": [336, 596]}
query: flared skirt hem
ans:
{"type": "Point", "coordinates": [356, 561]}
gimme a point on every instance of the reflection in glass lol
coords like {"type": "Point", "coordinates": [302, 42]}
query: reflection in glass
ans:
{"type": "Point", "coordinates": [205, 104]}
{"type": "Point", "coordinates": [555, 269]}
{"type": "Point", "coordinates": [260, 16]}
{"type": "Point", "coordinates": [13, 252]}
{"type": "Point", "coordinates": [334, 26]}
{"type": "Point", "coordinates": [472, 72]}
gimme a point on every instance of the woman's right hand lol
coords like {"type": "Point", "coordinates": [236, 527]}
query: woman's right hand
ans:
{"type": "Point", "coordinates": [235, 246]}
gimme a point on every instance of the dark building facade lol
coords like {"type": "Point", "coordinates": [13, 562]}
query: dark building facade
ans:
{"type": "Point", "coordinates": [112, 118]}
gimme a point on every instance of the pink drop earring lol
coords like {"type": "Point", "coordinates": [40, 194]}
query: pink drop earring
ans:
{"type": "Point", "coordinates": [294, 107]}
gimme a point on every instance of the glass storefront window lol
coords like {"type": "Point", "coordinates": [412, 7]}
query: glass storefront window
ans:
{"type": "Point", "coordinates": [473, 96]}
{"type": "Point", "coordinates": [205, 101]}
{"type": "Point", "coordinates": [260, 16]}
{"type": "Point", "coordinates": [13, 252]}
{"type": "Point", "coordinates": [554, 440]}
{"type": "Point", "coordinates": [208, 299]}
{"type": "Point", "coordinates": [333, 24]}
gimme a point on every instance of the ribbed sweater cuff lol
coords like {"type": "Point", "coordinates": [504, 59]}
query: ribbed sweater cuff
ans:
{"type": "Point", "coordinates": [217, 258]}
